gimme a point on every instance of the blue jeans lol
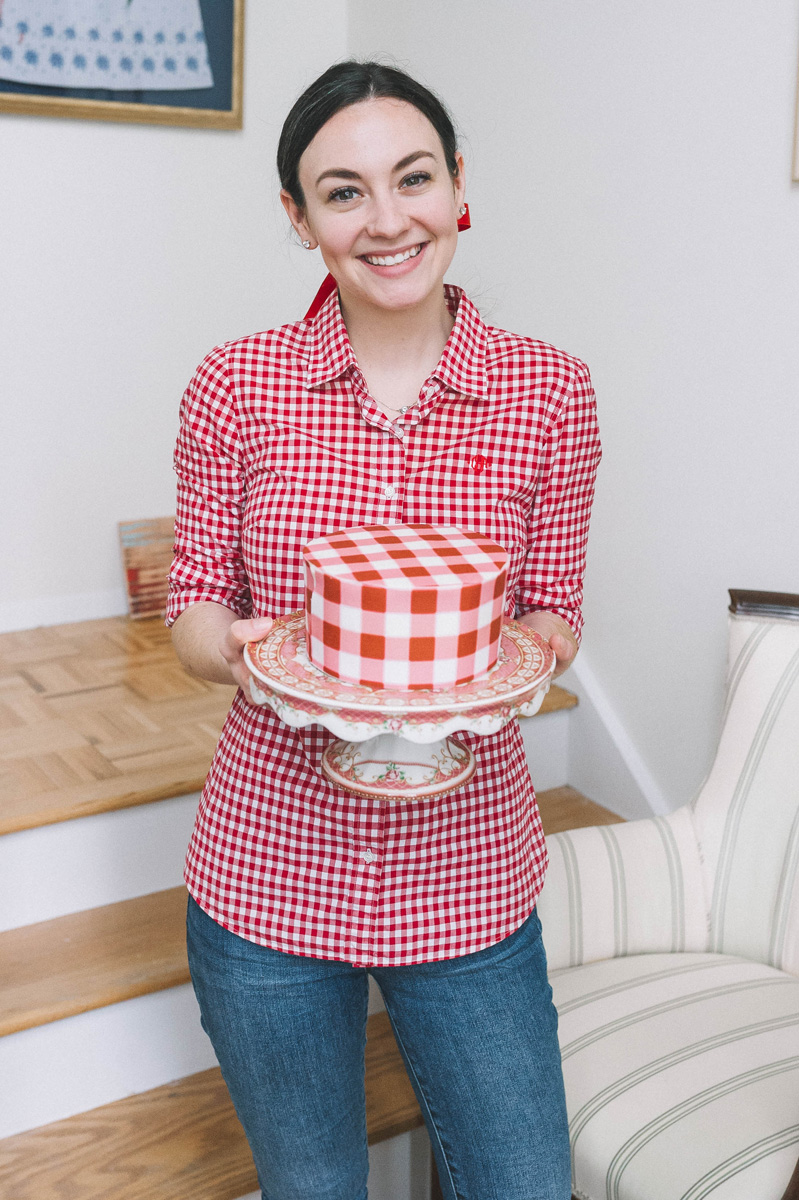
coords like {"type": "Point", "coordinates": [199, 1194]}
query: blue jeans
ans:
{"type": "Point", "coordinates": [479, 1039]}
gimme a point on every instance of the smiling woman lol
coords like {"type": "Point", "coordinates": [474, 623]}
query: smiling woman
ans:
{"type": "Point", "coordinates": [394, 404]}
{"type": "Point", "coordinates": [387, 232]}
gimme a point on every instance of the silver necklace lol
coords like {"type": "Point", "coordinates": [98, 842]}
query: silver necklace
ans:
{"type": "Point", "coordinates": [397, 411]}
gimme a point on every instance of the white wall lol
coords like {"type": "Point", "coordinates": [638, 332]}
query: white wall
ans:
{"type": "Point", "coordinates": [631, 199]}
{"type": "Point", "coordinates": [630, 187]}
{"type": "Point", "coordinates": [127, 252]}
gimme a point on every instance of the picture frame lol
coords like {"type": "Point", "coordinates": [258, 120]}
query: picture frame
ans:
{"type": "Point", "coordinates": [219, 106]}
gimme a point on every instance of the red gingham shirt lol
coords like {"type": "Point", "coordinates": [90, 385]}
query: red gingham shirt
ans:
{"type": "Point", "coordinates": [280, 442]}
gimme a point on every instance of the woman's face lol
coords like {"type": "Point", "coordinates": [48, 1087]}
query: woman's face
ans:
{"type": "Point", "coordinates": [377, 188]}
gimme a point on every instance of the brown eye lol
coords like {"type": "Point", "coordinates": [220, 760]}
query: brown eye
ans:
{"type": "Point", "coordinates": [415, 179]}
{"type": "Point", "coordinates": [343, 194]}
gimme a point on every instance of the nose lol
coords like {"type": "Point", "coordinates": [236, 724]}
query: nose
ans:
{"type": "Point", "coordinates": [387, 216]}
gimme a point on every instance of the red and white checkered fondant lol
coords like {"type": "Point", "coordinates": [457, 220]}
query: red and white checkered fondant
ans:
{"type": "Point", "coordinates": [404, 606]}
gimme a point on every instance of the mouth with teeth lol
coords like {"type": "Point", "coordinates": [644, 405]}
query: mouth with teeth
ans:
{"type": "Point", "coordinates": [393, 260]}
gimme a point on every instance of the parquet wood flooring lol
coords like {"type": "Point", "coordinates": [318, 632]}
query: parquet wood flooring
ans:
{"type": "Point", "coordinates": [178, 1142]}
{"type": "Point", "coordinates": [99, 715]}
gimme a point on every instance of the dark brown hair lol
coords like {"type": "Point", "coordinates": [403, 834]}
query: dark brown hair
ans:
{"type": "Point", "coordinates": [350, 83]}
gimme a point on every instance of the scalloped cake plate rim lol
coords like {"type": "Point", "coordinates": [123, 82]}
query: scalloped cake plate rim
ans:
{"type": "Point", "coordinates": [288, 633]}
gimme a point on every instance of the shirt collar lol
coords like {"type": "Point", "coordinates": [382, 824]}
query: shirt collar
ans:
{"type": "Point", "coordinates": [330, 354]}
{"type": "Point", "coordinates": [462, 366]}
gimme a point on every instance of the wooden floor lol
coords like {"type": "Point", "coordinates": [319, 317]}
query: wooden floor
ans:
{"type": "Point", "coordinates": [182, 1141]}
{"type": "Point", "coordinates": [99, 715]}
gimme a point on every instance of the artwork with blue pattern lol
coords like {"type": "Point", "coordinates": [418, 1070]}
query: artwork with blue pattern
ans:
{"type": "Point", "coordinates": [109, 44]}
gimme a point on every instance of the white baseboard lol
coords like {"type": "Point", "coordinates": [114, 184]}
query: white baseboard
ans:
{"type": "Point", "coordinates": [604, 762]}
{"type": "Point", "coordinates": [62, 610]}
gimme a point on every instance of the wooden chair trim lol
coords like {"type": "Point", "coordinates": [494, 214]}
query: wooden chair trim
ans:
{"type": "Point", "coordinates": [764, 604]}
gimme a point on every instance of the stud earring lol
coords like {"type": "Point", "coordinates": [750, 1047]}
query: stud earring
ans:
{"type": "Point", "coordinates": [307, 245]}
{"type": "Point", "coordinates": [461, 210]}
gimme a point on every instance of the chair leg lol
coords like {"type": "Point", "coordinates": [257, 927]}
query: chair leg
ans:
{"type": "Point", "coordinates": [793, 1187]}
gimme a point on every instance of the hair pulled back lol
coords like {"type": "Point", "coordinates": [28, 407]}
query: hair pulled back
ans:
{"type": "Point", "coordinates": [345, 84]}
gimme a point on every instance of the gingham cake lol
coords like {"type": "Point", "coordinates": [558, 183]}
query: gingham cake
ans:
{"type": "Point", "coordinates": [404, 606]}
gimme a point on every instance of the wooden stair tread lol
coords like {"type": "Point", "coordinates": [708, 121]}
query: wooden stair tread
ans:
{"type": "Point", "coordinates": [564, 808]}
{"type": "Point", "coordinates": [178, 1142]}
{"type": "Point", "coordinates": [557, 699]}
{"type": "Point", "coordinates": [58, 968]}
{"type": "Point", "coordinates": [391, 1105]}
{"type": "Point", "coordinates": [36, 808]}
{"type": "Point", "coordinates": [181, 1141]}
{"type": "Point", "coordinates": [99, 715]}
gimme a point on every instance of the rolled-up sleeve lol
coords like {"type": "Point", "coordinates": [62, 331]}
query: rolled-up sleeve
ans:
{"type": "Point", "coordinates": [557, 535]}
{"type": "Point", "coordinates": [207, 563]}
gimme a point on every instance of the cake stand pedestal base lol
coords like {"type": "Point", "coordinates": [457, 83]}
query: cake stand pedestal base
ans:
{"type": "Point", "coordinates": [389, 767]}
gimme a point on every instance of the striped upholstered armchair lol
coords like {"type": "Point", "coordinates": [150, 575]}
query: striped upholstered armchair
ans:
{"type": "Point", "coordinates": [674, 956]}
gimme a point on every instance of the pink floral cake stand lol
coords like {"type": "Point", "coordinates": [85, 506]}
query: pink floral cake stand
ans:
{"type": "Point", "coordinates": [397, 745]}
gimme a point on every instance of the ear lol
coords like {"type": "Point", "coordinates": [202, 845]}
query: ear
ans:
{"type": "Point", "coordinates": [459, 180]}
{"type": "Point", "coordinates": [297, 217]}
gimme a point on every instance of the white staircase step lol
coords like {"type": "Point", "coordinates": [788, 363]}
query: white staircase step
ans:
{"type": "Point", "coordinates": [69, 1066]}
{"type": "Point", "coordinates": [178, 1141]}
{"type": "Point", "coordinates": [546, 744]}
{"type": "Point", "coordinates": [73, 865]}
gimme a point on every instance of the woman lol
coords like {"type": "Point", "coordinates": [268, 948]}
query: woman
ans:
{"type": "Point", "coordinates": [394, 404]}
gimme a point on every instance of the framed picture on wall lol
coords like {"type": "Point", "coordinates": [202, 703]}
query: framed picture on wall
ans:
{"type": "Point", "coordinates": [156, 62]}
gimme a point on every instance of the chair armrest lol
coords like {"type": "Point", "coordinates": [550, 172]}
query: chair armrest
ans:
{"type": "Point", "coordinates": [635, 888]}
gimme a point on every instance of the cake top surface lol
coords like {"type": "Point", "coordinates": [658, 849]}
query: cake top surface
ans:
{"type": "Point", "coordinates": [407, 556]}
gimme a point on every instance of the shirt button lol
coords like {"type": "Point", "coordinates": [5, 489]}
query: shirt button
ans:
{"type": "Point", "coordinates": [390, 492]}
{"type": "Point", "coordinates": [369, 857]}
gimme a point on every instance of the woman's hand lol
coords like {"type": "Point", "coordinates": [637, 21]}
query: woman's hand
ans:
{"type": "Point", "coordinates": [556, 632]}
{"type": "Point", "coordinates": [231, 647]}
{"type": "Point", "coordinates": [209, 640]}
